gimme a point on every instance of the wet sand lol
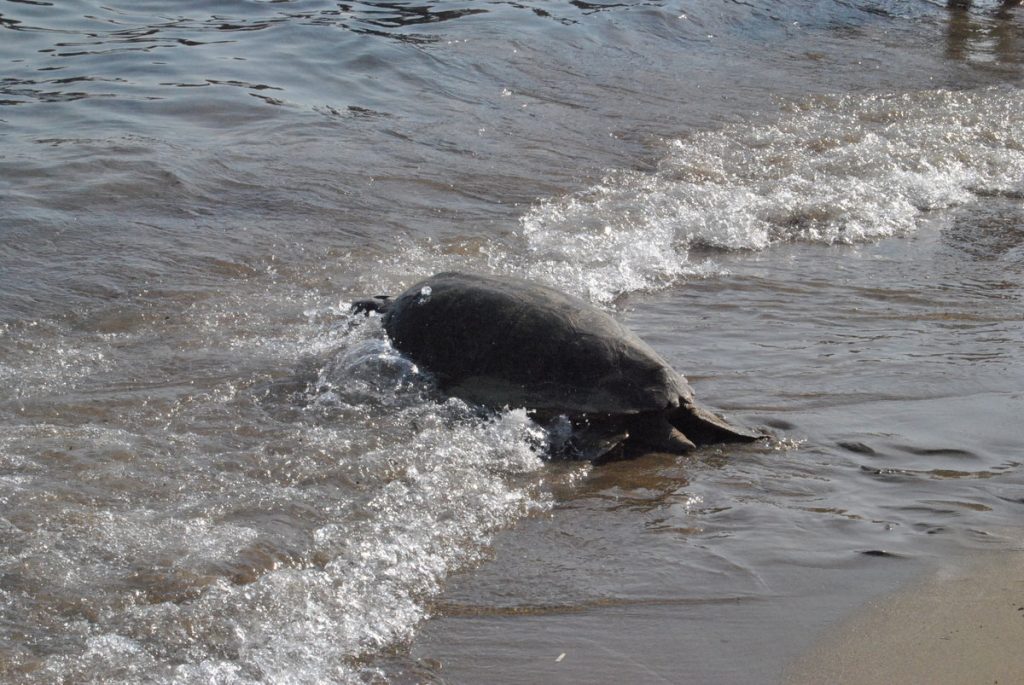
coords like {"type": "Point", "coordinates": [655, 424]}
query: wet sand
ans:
{"type": "Point", "coordinates": [960, 625]}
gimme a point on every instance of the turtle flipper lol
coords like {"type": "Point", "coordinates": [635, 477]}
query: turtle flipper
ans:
{"type": "Point", "coordinates": [652, 431]}
{"type": "Point", "coordinates": [596, 442]}
{"type": "Point", "coordinates": [704, 427]}
{"type": "Point", "coordinates": [378, 303]}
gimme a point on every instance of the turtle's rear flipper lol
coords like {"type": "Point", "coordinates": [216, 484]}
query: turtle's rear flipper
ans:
{"type": "Point", "coordinates": [704, 427]}
{"type": "Point", "coordinates": [379, 303]}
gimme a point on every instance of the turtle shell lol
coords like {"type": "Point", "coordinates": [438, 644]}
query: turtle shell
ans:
{"type": "Point", "coordinates": [506, 342]}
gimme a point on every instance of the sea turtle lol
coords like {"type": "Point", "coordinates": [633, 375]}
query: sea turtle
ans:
{"type": "Point", "coordinates": [505, 342]}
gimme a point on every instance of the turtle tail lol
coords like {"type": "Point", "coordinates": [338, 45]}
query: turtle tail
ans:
{"type": "Point", "coordinates": [704, 427]}
{"type": "Point", "coordinates": [378, 303]}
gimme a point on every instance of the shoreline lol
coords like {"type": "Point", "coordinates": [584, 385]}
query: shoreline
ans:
{"type": "Point", "coordinates": [963, 623]}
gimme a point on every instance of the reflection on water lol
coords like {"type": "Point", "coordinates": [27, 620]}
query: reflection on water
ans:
{"type": "Point", "coordinates": [995, 36]}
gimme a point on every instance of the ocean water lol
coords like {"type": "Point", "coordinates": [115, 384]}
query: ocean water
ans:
{"type": "Point", "coordinates": [211, 472]}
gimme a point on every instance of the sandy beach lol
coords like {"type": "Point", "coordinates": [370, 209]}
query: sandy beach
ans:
{"type": "Point", "coordinates": [960, 625]}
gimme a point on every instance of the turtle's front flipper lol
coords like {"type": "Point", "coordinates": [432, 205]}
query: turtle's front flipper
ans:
{"type": "Point", "coordinates": [651, 431]}
{"type": "Point", "coordinates": [704, 427]}
{"type": "Point", "coordinates": [597, 442]}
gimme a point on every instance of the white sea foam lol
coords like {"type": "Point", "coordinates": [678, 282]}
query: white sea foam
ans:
{"type": "Point", "coordinates": [434, 502]}
{"type": "Point", "coordinates": [828, 169]}
{"type": "Point", "coordinates": [246, 565]}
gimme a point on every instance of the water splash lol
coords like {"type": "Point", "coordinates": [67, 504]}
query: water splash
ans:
{"type": "Point", "coordinates": [295, 551]}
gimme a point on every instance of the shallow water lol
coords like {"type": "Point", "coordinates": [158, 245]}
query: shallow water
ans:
{"type": "Point", "coordinates": [896, 413]}
{"type": "Point", "coordinates": [210, 471]}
